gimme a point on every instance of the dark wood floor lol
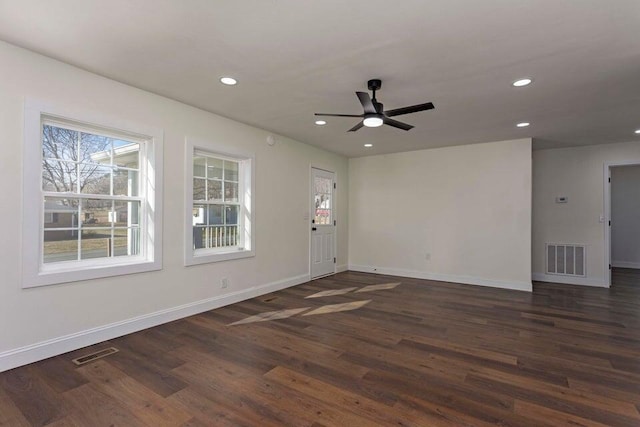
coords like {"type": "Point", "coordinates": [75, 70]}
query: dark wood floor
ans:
{"type": "Point", "coordinates": [422, 354]}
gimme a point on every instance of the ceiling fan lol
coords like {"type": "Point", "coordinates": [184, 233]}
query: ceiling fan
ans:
{"type": "Point", "coordinates": [374, 114]}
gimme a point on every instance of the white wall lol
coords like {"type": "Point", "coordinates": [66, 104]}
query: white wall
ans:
{"type": "Point", "coordinates": [468, 207]}
{"type": "Point", "coordinates": [577, 173]}
{"type": "Point", "coordinates": [625, 216]}
{"type": "Point", "coordinates": [63, 313]}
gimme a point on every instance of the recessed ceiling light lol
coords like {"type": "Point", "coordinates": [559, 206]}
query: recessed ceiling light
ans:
{"type": "Point", "coordinates": [321, 122]}
{"type": "Point", "coordinates": [368, 145]}
{"type": "Point", "coordinates": [523, 124]}
{"type": "Point", "coordinates": [637, 131]}
{"type": "Point", "coordinates": [522, 82]}
{"type": "Point", "coordinates": [229, 81]}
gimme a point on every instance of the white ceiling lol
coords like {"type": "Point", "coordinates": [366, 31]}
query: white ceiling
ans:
{"type": "Point", "coordinates": [293, 58]}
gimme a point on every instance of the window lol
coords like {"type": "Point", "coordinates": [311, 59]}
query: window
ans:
{"type": "Point", "coordinates": [218, 206]}
{"type": "Point", "coordinates": [322, 192]}
{"type": "Point", "coordinates": [90, 200]}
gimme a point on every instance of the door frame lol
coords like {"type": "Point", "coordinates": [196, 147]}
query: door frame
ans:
{"type": "Point", "coordinates": [311, 201]}
{"type": "Point", "coordinates": [607, 214]}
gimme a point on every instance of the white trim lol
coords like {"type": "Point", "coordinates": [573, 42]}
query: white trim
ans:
{"type": "Point", "coordinates": [607, 214]}
{"type": "Point", "coordinates": [569, 280]}
{"type": "Point", "coordinates": [626, 264]}
{"type": "Point", "coordinates": [342, 267]}
{"type": "Point", "coordinates": [32, 353]}
{"type": "Point", "coordinates": [33, 274]}
{"type": "Point", "coordinates": [467, 280]}
{"type": "Point", "coordinates": [246, 190]}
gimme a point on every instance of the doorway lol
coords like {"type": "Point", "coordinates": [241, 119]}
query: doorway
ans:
{"type": "Point", "coordinates": [323, 223]}
{"type": "Point", "coordinates": [622, 204]}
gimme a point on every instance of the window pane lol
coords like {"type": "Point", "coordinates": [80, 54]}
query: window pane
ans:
{"type": "Point", "coordinates": [95, 149]}
{"type": "Point", "coordinates": [59, 176]}
{"type": "Point", "coordinates": [96, 213]}
{"type": "Point", "coordinates": [322, 185]}
{"type": "Point", "coordinates": [126, 241]}
{"type": "Point", "coordinates": [60, 213]}
{"type": "Point", "coordinates": [199, 237]}
{"type": "Point", "coordinates": [215, 236]}
{"type": "Point", "coordinates": [215, 215]}
{"type": "Point", "coordinates": [230, 171]}
{"type": "Point", "coordinates": [214, 168]}
{"type": "Point", "coordinates": [199, 167]}
{"type": "Point", "coordinates": [126, 214]}
{"type": "Point", "coordinates": [214, 190]}
{"type": "Point", "coordinates": [199, 214]}
{"type": "Point", "coordinates": [323, 201]}
{"type": "Point", "coordinates": [231, 214]}
{"type": "Point", "coordinates": [59, 143]}
{"type": "Point", "coordinates": [126, 154]}
{"type": "Point", "coordinates": [231, 192]}
{"type": "Point", "coordinates": [95, 179]}
{"type": "Point", "coordinates": [95, 243]}
{"type": "Point", "coordinates": [199, 187]}
{"type": "Point", "coordinates": [323, 216]}
{"type": "Point", "coordinates": [231, 236]}
{"type": "Point", "coordinates": [125, 183]}
{"type": "Point", "coordinates": [60, 245]}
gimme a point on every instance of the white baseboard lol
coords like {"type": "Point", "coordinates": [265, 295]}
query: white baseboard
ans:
{"type": "Point", "coordinates": [32, 353]}
{"type": "Point", "coordinates": [467, 280]}
{"type": "Point", "coordinates": [625, 264]}
{"type": "Point", "coordinates": [569, 280]}
{"type": "Point", "coordinates": [341, 268]}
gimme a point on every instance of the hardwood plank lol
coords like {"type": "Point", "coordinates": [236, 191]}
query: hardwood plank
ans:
{"type": "Point", "coordinates": [334, 396]}
{"type": "Point", "coordinates": [552, 416]}
{"type": "Point", "coordinates": [36, 400]}
{"type": "Point", "coordinates": [10, 414]}
{"type": "Point", "coordinates": [59, 373]}
{"type": "Point", "coordinates": [94, 408]}
{"type": "Point", "coordinates": [551, 401]}
{"type": "Point", "coordinates": [151, 408]}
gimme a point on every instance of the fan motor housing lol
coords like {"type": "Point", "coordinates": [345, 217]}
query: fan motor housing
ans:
{"type": "Point", "coordinates": [374, 84]}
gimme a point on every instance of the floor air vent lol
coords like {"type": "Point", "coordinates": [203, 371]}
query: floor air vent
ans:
{"type": "Point", "coordinates": [94, 356]}
{"type": "Point", "coordinates": [566, 260]}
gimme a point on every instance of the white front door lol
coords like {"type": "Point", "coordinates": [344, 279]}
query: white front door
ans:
{"type": "Point", "coordinates": [323, 230]}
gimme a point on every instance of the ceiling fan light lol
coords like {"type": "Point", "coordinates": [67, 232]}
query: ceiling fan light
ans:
{"type": "Point", "coordinates": [373, 121]}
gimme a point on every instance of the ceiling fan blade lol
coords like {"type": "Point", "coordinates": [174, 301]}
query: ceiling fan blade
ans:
{"type": "Point", "coordinates": [397, 124]}
{"type": "Point", "coordinates": [338, 115]}
{"type": "Point", "coordinates": [356, 127]}
{"type": "Point", "coordinates": [409, 110]}
{"type": "Point", "coordinates": [365, 100]}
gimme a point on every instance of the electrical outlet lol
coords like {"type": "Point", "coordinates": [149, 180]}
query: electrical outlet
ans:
{"type": "Point", "coordinates": [224, 283]}
{"type": "Point", "coordinates": [427, 256]}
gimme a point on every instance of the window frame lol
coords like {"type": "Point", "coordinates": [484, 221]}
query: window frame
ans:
{"type": "Point", "coordinates": [246, 202]}
{"type": "Point", "coordinates": [34, 271]}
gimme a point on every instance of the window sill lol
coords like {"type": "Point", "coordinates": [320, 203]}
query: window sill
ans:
{"type": "Point", "coordinates": [51, 275]}
{"type": "Point", "coordinates": [217, 256]}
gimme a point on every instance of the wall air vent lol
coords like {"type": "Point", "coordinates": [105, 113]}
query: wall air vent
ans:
{"type": "Point", "coordinates": [566, 260]}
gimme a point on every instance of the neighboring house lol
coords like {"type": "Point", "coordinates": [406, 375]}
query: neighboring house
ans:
{"type": "Point", "coordinates": [57, 215]}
